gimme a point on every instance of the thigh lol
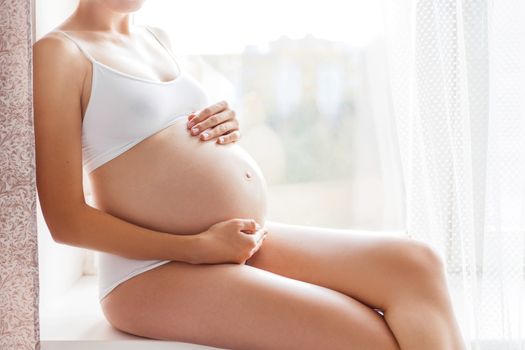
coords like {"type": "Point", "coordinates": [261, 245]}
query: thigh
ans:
{"type": "Point", "coordinates": [236, 306]}
{"type": "Point", "coordinates": [367, 265]}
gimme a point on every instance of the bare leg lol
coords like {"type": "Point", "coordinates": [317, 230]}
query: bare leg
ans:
{"type": "Point", "coordinates": [236, 306]}
{"type": "Point", "coordinates": [403, 277]}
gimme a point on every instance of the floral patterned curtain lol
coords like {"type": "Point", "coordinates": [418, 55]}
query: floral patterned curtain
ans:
{"type": "Point", "coordinates": [19, 327]}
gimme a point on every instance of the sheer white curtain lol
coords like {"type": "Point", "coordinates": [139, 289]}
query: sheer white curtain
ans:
{"type": "Point", "coordinates": [456, 72]}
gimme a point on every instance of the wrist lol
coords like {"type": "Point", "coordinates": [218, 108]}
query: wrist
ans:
{"type": "Point", "coordinates": [186, 247]}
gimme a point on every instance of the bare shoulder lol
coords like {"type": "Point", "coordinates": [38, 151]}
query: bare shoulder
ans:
{"type": "Point", "coordinates": [55, 51]}
{"type": "Point", "coordinates": [55, 43]}
{"type": "Point", "coordinates": [163, 35]}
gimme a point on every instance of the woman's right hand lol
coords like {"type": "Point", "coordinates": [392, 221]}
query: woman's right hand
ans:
{"type": "Point", "coordinates": [230, 241]}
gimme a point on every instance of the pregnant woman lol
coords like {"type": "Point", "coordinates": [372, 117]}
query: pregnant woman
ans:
{"type": "Point", "coordinates": [179, 220]}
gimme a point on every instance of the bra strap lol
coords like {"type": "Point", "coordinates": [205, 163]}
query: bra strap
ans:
{"type": "Point", "coordinates": [88, 56]}
{"type": "Point", "coordinates": [164, 46]}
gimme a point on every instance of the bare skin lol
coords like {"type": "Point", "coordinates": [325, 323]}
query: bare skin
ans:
{"type": "Point", "coordinates": [403, 278]}
{"type": "Point", "coordinates": [306, 287]}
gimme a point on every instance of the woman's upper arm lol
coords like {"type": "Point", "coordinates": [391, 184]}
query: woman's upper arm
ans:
{"type": "Point", "coordinates": [58, 74]}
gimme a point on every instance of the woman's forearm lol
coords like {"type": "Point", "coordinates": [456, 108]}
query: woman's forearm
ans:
{"type": "Point", "coordinates": [91, 228]}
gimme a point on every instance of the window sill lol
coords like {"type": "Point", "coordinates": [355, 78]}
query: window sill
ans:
{"type": "Point", "coordinates": [75, 321]}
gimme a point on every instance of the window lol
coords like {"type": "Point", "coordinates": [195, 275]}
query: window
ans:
{"type": "Point", "coordinates": [308, 84]}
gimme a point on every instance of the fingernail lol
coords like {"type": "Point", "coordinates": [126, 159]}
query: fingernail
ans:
{"type": "Point", "coordinates": [205, 135]}
{"type": "Point", "coordinates": [195, 129]}
{"type": "Point", "coordinates": [221, 139]}
{"type": "Point", "coordinates": [191, 123]}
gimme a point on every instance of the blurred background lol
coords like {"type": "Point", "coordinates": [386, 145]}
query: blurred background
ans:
{"type": "Point", "coordinates": [309, 95]}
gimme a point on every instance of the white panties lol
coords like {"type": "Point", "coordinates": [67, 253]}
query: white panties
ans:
{"type": "Point", "coordinates": [114, 269]}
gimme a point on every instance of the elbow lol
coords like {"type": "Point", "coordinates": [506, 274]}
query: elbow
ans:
{"type": "Point", "coordinates": [59, 230]}
{"type": "Point", "coordinates": [59, 238]}
{"type": "Point", "coordinates": [63, 224]}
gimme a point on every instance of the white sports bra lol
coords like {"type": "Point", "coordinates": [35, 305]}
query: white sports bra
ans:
{"type": "Point", "coordinates": [124, 110]}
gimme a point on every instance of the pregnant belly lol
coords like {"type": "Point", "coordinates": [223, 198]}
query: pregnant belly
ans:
{"type": "Point", "coordinates": [173, 182]}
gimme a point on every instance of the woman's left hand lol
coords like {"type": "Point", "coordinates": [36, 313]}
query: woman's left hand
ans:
{"type": "Point", "coordinates": [217, 121]}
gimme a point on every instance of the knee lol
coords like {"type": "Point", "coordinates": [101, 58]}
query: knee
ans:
{"type": "Point", "coordinates": [421, 259]}
{"type": "Point", "coordinates": [419, 275]}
